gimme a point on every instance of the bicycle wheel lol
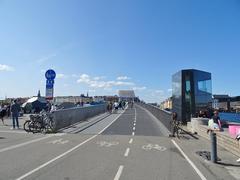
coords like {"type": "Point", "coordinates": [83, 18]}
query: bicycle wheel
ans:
{"type": "Point", "coordinates": [36, 127]}
{"type": "Point", "coordinates": [26, 126]}
{"type": "Point", "coordinates": [49, 126]}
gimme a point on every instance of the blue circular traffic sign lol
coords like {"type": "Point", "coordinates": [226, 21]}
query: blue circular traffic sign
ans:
{"type": "Point", "coordinates": [50, 74]}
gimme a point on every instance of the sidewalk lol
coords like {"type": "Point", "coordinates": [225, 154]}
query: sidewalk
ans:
{"type": "Point", "coordinates": [8, 122]}
{"type": "Point", "coordinates": [227, 168]}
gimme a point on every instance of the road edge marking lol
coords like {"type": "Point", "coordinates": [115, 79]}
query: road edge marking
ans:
{"type": "Point", "coordinates": [119, 173]}
{"type": "Point", "coordinates": [189, 161]}
{"type": "Point", "coordinates": [131, 141]}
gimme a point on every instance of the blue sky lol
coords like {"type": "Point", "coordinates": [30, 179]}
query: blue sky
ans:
{"type": "Point", "coordinates": [101, 46]}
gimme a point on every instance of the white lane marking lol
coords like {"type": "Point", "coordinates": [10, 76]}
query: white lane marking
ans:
{"type": "Point", "coordinates": [24, 144]}
{"type": "Point", "coordinates": [58, 141]}
{"type": "Point", "coordinates": [190, 162]}
{"type": "Point", "coordinates": [133, 133]}
{"type": "Point", "coordinates": [154, 147]}
{"type": "Point", "coordinates": [66, 153]}
{"type": "Point", "coordinates": [111, 123]}
{"type": "Point", "coordinates": [54, 159]}
{"type": "Point", "coordinates": [134, 124]}
{"type": "Point", "coordinates": [14, 132]}
{"type": "Point", "coordinates": [119, 173]}
{"type": "Point", "coordinates": [107, 144]}
{"type": "Point", "coordinates": [131, 141]}
{"type": "Point", "coordinates": [127, 152]}
{"type": "Point", "coordinates": [134, 128]}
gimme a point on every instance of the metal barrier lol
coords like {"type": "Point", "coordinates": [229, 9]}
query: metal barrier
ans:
{"type": "Point", "coordinates": [67, 117]}
{"type": "Point", "coordinates": [161, 115]}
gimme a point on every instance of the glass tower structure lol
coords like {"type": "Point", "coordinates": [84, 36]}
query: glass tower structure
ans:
{"type": "Point", "coordinates": [192, 92]}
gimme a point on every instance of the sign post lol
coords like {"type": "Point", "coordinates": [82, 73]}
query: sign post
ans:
{"type": "Point", "coordinates": [50, 76]}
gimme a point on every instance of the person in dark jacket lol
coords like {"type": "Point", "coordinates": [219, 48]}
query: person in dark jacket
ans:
{"type": "Point", "coordinates": [3, 113]}
{"type": "Point", "coordinates": [15, 109]}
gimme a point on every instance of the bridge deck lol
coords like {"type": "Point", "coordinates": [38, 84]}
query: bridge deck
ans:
{"type": "Point", "coordinates": [129, 145]}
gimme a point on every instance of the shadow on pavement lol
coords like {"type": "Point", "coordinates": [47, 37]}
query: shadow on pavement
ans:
{"type": "Point", "coordinates": [228, 164]}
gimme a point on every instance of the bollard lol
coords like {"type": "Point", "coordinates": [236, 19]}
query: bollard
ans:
{"type": "Point", "coordinates": [214, 147]}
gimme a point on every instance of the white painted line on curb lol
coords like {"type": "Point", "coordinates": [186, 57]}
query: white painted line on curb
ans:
{"type": "Point", "coordinates": [24, 144]}
{"type": "Point", "coordinates": [131, 141]}
{"type": "Point", "coordinates": [66, 153]}
{"type": "Point", "coordinates": [127, 152]}
{"type": "Point", "coordinates": [119, 173]}
{"type": "Point", "coordinates": [190, 162]}
{"type": "Point", "coordinates": [134, 128]}
{"type": "Point", "coordinates": [14, 132]}
{"type": "Point", "coordinates": [133, 133]}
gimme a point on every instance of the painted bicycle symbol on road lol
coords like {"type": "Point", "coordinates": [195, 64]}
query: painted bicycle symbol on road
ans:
{"type": "Point", "coordinates": [154, 147]}
{"type": "Point", "coordinates": [107, 144]}
{"type": "Point", "coordinates": [58, 141]}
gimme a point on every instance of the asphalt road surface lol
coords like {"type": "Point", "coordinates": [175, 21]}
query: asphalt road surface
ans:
{"type": "Point", "coordinates": [128, 145]}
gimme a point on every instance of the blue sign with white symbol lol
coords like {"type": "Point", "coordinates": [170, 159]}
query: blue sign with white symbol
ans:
{"type": "Point", "coordinates": [50, 74]}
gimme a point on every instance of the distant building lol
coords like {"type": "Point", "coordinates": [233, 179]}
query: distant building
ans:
{"type": "Point", "coordinates": [221, 102]}
{"type": "Point", "coordinates": [72, 99]}
{"type": "Point", "coordinates": [98, 99]}
{"type": "Point", "coordinates": [167, 104]}
{"type": "Point", "coordinates": [226, 103]}
{"type": "Point", "coordinates": [192, 92]}
{"type": "Point", "coordinates": [126, 95]}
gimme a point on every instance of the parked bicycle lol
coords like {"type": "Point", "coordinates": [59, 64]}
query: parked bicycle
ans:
{"type": "Point", "coordinates": [176, 127]}
{"type": "Point", "coordinates": [40, 123]}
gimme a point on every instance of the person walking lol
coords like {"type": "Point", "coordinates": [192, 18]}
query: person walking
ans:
{"type": "Point", "coordinates": [15, 109]}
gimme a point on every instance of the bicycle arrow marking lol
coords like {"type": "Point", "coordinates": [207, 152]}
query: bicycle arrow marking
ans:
{"type": "Point", "coordinates": [58, 141]}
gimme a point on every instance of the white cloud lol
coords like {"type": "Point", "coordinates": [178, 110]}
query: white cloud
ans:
{"type": "Point", "coordinates": [46, 58]}
{"type": "Point", "coordinates": [61, 76]}
{"type": "Point", "coordinates": [169, 90]}
{"type": "Point", "coordinates": [98, 78]}
{"type": "Point", "coordinates": [84, 78]}
{"type": "Point", "coordinates": [4, 67]}
{"type": "Point", "coordinates": [120, 78]}
{"type": "Point", "coordinates": [139, 88]}
{"type": "Point", "coordinates": [97, 82]}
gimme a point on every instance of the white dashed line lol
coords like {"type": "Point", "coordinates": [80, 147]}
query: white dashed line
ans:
{"type": "Point", "coordinates": [131, 141]}
{"type": "Point", "coordinates": [119, 173]}
{"type": "Point", "coordinates": [134, 124]}
{"type": "Point", "coordinates": [133, 133]}
{"type": "Point", "coordinates": [127, 152]}
{"type": "Point", "coordinates": [134, 128]}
